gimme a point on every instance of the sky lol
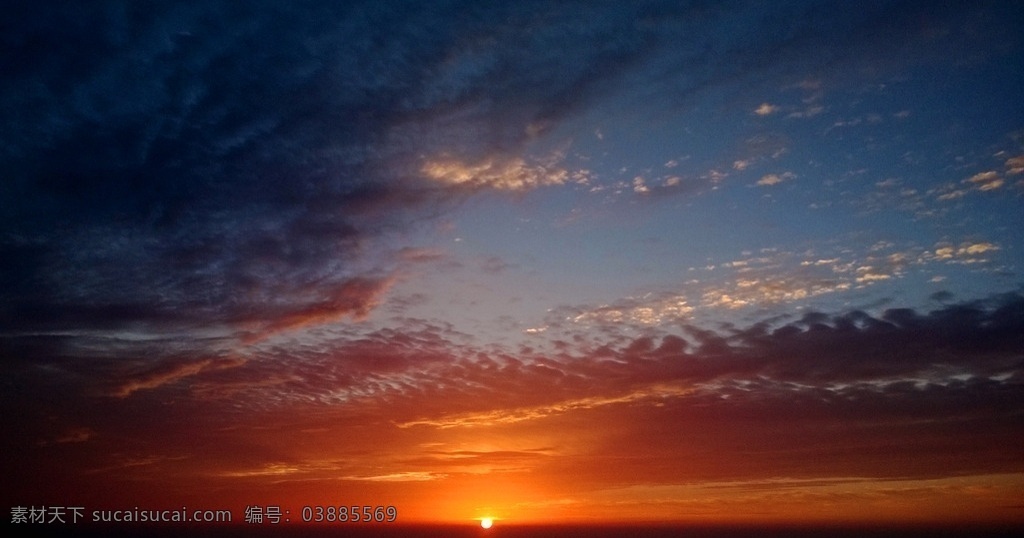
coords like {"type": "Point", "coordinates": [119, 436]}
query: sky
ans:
{"type": "Point", "coordinates": [535, 261]}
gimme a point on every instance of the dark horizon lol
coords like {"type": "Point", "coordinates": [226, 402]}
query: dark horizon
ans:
{"type": "Point", "coordinates": [650, 530]}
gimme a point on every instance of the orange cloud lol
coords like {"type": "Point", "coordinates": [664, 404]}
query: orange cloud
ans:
{"type": "Point", "coordinates": [165, 375]}
{"type": "Point", "coordinates": [986, 181]}
{"type": "Point", "coordinates": [501, 173]}
{"type": "Point", "coordinates": [1015, 165]}
{"type": "Point", "coordinates": [775, 179]}
{"type": "Point", "coordinates": [354, 298]}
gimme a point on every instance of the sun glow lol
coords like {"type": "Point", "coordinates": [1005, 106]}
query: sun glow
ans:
{"type": "Point", "coordinates": [486, 522]}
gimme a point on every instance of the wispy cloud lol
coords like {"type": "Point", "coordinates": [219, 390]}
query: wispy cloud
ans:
{"type": "Point", "coordinates": [512, 174]}
{"type": "Point", "coordinates": [775, 179]}
{"type": "Point", "coordinates": [167, 374]}
{"type": "Point", "coordinates": [1015, 165]}
{"type": "Point", "coordinates": [509, 416]}
{"type": "Point", "coordinates": [985, 181]}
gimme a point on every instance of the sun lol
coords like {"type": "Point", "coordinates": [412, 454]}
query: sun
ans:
{"type": "Point", "coordinates": [486, 522]}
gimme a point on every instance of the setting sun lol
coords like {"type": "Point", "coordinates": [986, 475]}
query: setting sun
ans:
{"type": "Point", "coordinates": [486, 522]}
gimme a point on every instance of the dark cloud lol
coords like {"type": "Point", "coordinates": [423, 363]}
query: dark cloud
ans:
{"type": "Point", "coordinates": [165, 157]}
{"type": "Point", "coordinates": [185, 165]}
{"type": "Point", "coordinates": [967, 349]}
{"type": "Point", "coordinates": [903, 394]}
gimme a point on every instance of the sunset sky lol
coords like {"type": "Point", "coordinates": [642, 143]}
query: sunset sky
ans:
{"type": "Point", "coordinates": [537, 261]}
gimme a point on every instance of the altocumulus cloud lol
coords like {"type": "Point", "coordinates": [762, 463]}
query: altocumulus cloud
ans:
{"type": "Point", "coordinates": [184, 165]}
{"type": "Point", "coordinates": [184, 179]}
{"type": "Point", "coordinates": [197, 164]}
